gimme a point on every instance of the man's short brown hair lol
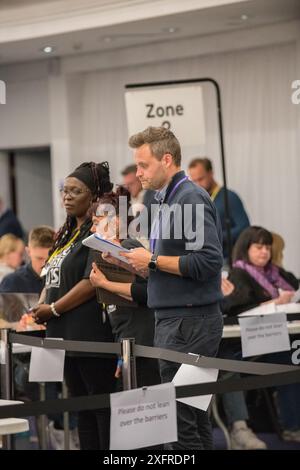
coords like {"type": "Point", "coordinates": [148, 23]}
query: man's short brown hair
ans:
{"type": "Point", "coordinates": [128, 170]}
{"type": "Point", "coordinates": [205, 162]}
{"type": "Point", "coordinates": [41, 236]}
{"type": "Point", "coordinates": [160, 141]}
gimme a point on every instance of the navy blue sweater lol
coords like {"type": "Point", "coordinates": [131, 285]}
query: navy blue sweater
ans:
{"type": "Point", "coordinates": [238, 216]}
{"type": "Point", "coordinates": [200, 283]}
{"type": "Point", "coordinates": [10, 224]}
{"type": "Point", "coordinates": [24, 280]}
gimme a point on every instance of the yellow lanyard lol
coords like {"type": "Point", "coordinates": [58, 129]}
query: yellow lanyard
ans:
{"type": "Point", "coordinates": [60, 250]}
{"type": "Point", "coordinates": [215, 192]}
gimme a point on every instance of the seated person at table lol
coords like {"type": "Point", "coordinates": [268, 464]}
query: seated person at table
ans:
{"type": "Point", "coordinates": [11, 254]}
{"type": "Point", "coordinates": [132, 321]}
{"type": "Point", "coordinates": [256, 280]}
{"type": "Point", "coordinates": [27, 279]}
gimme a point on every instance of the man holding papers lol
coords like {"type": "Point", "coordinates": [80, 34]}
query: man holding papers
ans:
{"type": "Point", "coordinates": [184, 269]}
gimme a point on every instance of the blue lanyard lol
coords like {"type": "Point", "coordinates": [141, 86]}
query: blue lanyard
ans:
{"type": "Point", "coordinates": [155, 226]}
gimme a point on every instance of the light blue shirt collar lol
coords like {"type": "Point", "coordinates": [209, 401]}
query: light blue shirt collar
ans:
{"type": "Point", "coordinates": [161, 194]}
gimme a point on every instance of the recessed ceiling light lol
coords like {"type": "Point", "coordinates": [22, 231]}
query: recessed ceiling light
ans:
{"type": "Point", "coordinates": [244, 17]}
{"type": "Point", "coordinates": [170, 30]}
{"type": "Point", "coordinates": [48, 49]}
{"type": "Point", "coordinates": [77, 46]}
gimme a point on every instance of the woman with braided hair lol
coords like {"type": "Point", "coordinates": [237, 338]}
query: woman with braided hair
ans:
{"type": "Point", "coordinates": [71, 310]}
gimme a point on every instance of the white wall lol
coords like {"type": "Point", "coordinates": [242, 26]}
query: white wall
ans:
{"type": "Point", "coordinates": [33, 188]}
{"type": "Point", "coordinates": [84, 118]}
{"type": "Point", "coordinates": [24, 119]}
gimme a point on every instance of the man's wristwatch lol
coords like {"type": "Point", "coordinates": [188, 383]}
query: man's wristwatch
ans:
{"type": "Point", "coordinates": [152, 265]}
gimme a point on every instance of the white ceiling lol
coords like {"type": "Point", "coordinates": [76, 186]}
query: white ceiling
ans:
{"type": "Point", "coordinates": [120, 31]}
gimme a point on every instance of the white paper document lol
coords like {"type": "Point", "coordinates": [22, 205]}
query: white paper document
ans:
{"type": "Point", "coordinates": [288, 308]}
{"type": "Point", "coordinates": [47, 365]}
{"type": "Point", "coordinates": [100, 244]}
{"type": "Point", "coordinates": [296, 296]}
{"type": "Point", "coordinates": [271, 308]}
{"type": "Point", "coordinates": [143, 417]}
{"type": "Point", "coordinates": [265, 309]}
{"type": "Point", "coordinates": [188, 375]}
{"type": "Point", "coordinates": [264, 334]}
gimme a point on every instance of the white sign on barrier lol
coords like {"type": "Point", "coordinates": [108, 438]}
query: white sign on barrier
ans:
{"type": "Point", "coordinates": [189, 375]}
{"type": "Point", "coordinates": [143, 417]}
{"type": "Point", "coordinates": [47, 365]}
{"type": "Point", "coordinates": [264, 334]}
{"type": "Point", "coordinates": [179, 108]}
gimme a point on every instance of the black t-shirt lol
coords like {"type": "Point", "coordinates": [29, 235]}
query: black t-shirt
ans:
{"type": "Point", "coordinates": [134, 322]}
{"type": "Point", "coordinates": [87, 322]}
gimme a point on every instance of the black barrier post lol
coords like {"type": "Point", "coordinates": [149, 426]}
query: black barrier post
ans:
{"type": "Point", "coordinates": [128, 364]}
{"type": "Point", "coordinates": [6, 376]}
{"type": "Point", "coordinates": [42, 420]}
{"type": "Point", "coordinates": [66, 419]}
{"type": "Point", "coordinates": [222, 149]}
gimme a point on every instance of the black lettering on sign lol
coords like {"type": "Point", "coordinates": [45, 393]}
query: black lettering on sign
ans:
{"type": "Point", "coordinates": [163, 111]}
{"type": "Point", "coordinates": [170, 111]}
{"type": "Point", "coordinates": [166, 124]}
{"type": "Point", "coordinates": [160, 112]}
{"type": "Point", "coordinates": [150, 108]}
{"type": "Point", "coordinates": [179, 110]}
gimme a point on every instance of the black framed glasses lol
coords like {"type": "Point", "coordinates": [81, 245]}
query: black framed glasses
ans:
{"type": "Point", "coordinates": [73, 192]}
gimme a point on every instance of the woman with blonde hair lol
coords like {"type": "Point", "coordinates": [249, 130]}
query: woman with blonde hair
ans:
{"type": "Point", "coordinates": [11, 254]}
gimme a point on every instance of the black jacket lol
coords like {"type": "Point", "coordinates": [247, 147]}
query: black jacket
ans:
{"type": "Point", "coordinates": [10, 224]}
{"type": "Point", "coordinates": [248, 293]}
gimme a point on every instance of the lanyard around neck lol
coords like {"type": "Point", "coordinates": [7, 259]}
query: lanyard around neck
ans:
{"type": "Point", "coordinates": [69, 243]}
{"type": "Point", "coordinates": [155, 232]}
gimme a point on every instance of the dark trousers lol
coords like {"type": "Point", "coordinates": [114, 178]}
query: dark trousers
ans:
{"type": "Point", "coordinates": [91, 376]}
{"type": "Point", "coordinates": [199, 334]}
{"type": "Point", "coordinates": [147, 372]}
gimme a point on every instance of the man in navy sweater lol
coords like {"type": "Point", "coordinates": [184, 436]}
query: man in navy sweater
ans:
{"type": "Point", "coordinates": [201, 173]}
{"type": "Point", "coordinates": [184, 268]}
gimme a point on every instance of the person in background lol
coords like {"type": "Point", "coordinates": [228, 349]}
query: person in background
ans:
{"type": "Point", "coordinates": [257, 281]}
{"type": "Point", "coordinates": [9, 222]}
{"type": "Point", "coordinates": [201, 173]}
{"type": "Point", "coordinates": [27, 278]}
{"type": "Point", "coordinates": [132, 183]}
{"type": "Point", "coordinates": [132, 321]}
{"type": "Point", "coordinates": [235, 407]}
{"type": "Point", "coordinates": [71, 309]}
{"type": "Point", "coordinates": [140, 202]}
{"type": "Point", "coordinates": [277, 249]}
{"type": "Point", "coordinates": [11, 254]}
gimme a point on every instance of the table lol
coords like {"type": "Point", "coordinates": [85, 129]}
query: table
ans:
{"type": "Point", "coordinates": [12, 425]}
{"type": "Point", "coordinates": [234, 331]}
